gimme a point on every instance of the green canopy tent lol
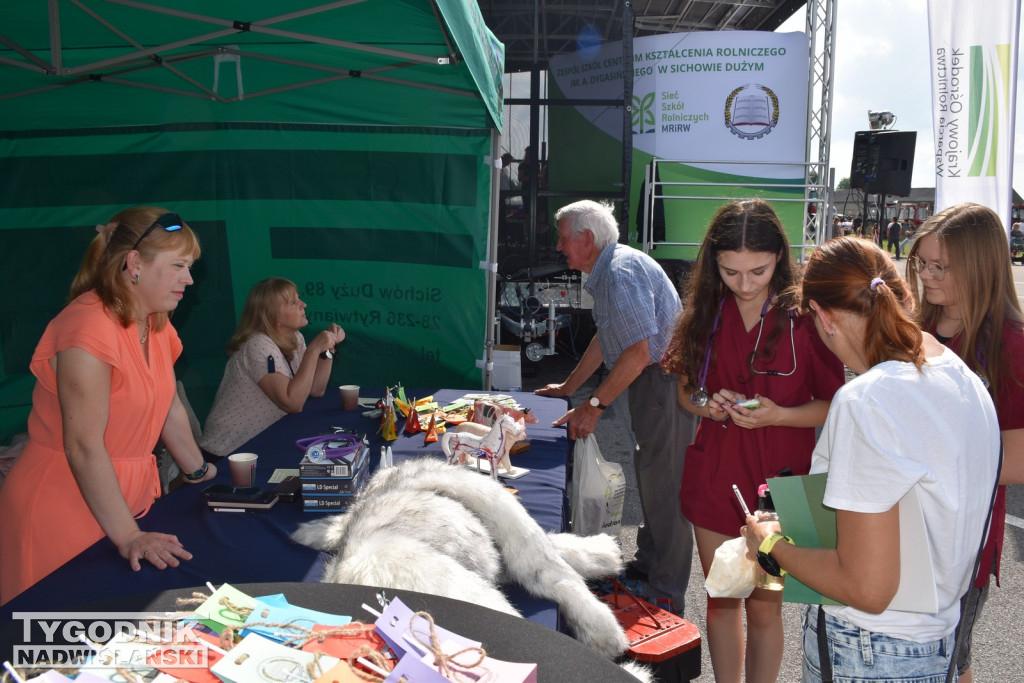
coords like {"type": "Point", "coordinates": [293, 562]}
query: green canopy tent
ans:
{"type": "Point", "coordinates": [346, 146]}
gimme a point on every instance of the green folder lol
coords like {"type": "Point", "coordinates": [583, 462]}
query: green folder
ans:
{"type": "Point", "coordinates": [808, 522]}
{"type": "Point", "coordinates": [811, 524]}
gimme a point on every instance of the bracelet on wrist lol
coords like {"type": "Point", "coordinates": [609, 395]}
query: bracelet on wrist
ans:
{"type": "Point", "coordinates": [198, 474]}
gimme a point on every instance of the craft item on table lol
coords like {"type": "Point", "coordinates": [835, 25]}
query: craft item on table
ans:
{"type": "Point", "coordinates": [50, 676]}
{"type": "Point", "coordinates": [388, 432]}
{"type": "Point", "coordinates": [122, 658]}
{"type": "Point", "coordinates": [343, 641]}
{"type": "Point", "coordinates": [90, 677]}
{"type": "Point", "coordinates": [287, 623]}
{"type": "Point", "coordinates": [439, 662]}
{"type": "Point", "coordinates": [189, 656]}
{"type": "Point", "coordinates": [487, 413]}
{"type": "Point", "coordinates": [397, 624]}
{"type": "Point", "coordinates": [431, 434]}
{"type": "Point", "coordinates": [228, 606]}
{"type": "Point", "coordinates": [329, 447]}
{"type": "Point", "coordinates": [258, 660]}
{"type": "Point", "coordinates": [412, 422]}
{"type": "Point", "coordinates": [470, 445]}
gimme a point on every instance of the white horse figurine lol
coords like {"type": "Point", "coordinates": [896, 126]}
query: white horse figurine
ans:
{"type": "Point", "coordinates": [478, 442]}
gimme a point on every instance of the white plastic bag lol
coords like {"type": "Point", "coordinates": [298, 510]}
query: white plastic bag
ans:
{"type": "Point", "coordinates": [598, 491]}
{"type": "Point", "coordinates": [732, 572]}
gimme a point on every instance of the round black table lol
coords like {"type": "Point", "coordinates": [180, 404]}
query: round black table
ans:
{"type": "Point", "coordinates": [559, 658]}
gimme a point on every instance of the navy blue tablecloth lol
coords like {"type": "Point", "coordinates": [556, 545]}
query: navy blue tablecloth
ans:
{"type": "Point", "coordinates": [255, 547]}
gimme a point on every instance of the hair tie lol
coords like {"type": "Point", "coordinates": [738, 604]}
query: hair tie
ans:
{"type": "Point", "coordinates": [875, 282]}
{"type": "Point", "coordinates": [105, 230]}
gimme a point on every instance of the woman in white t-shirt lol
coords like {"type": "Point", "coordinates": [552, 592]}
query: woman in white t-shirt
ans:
{"type": "Point", "coordinates": [915, 418]}
{"type": "Point", "coordinates": [271, 371]}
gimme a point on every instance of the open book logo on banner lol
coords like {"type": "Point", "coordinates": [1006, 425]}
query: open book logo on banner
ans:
{"type": "Point", "coordinates": [751, 111]}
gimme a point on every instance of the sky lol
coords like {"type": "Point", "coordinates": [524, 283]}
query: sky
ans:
{"type": "Point", "coordinates": [881, 63]}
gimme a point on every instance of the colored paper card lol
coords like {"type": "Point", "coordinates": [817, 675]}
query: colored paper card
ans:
{"type": "Point", "coordinates": [342, 673]}
{"type": "Point", "coordinates": [258, 660]}
{"type": "Point", "coordinates": [289, 621]}
{"type": "Point", "coordinates": [50, 676]}
{"type": "Point", "coordinates": [189, 657]}
{"type": "Point", "coordinates": [396, 626]}
{"type": "Point", "coordinates": [228, 606]}
{"type": "Point", "coordinates": [811, 524]}
{"type": "Point", "coordinates": [422, 669]}
{"type": "Point", "coordinates": [124, 652]}
{"type": "Point", "coordinates": [342, 645]}
{"type": "Point", "coordinates": [275, 599]}
{"type": "Point", "coordinates": [90, 677]}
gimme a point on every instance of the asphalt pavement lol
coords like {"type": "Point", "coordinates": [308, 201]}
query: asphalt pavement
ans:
{"type": "Point", "coordinates": [998, 636]}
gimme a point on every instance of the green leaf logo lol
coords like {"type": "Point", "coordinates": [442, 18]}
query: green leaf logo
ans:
{"type": "Point", "coordinates": [643, 113]}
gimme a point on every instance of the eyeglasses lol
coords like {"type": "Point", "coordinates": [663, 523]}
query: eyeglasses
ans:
{"type": "Point", "coordinates": [170, 222]}
{"type": "Point", "coordinates": [935, 270]}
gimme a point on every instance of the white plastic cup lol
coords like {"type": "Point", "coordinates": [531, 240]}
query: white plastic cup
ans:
{"type": "Point", "coordinates": [349, 396]}
{"type": "Point", "coordinates": [243, 469]}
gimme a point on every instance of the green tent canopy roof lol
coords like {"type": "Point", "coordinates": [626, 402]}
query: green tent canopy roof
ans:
{"type": "Point", "coordinates": [102, 63]}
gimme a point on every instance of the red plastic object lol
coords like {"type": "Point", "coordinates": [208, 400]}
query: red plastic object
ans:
{"type": "Point", "coordinates": [654, 634]}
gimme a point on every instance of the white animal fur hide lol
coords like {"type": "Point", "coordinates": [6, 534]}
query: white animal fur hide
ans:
{"type": "Point", "coordinates": [429, 527]}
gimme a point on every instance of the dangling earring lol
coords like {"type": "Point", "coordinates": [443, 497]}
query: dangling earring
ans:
{"type": "Point", "coordinates": [831, 333]}
{"type": "Point", "coordinates": [135, 280]}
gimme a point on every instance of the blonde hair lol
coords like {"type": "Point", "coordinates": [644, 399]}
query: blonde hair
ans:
{"type": "Point", "coordinates": [107, 254]}
{"type": "Point", "coordinates": [972, 239]}
{"type": "Point", "coordinates": [260, 315]}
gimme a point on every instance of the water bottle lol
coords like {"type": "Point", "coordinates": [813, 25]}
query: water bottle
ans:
{"type": "Point", "coordinates": [766, 513]}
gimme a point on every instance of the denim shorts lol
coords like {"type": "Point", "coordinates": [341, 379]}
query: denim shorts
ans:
{"type": "Point", "coordinates": [858, 655]}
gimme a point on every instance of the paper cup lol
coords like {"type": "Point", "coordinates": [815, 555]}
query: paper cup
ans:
{"type": "Point", "coordinates": [349, 396]}
{"type": "Point", "coordinates": [243, 469]}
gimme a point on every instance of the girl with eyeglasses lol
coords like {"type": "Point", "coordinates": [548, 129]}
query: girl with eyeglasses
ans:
{"type": "Point", "coordinates": [915, 419]}
{"type": "Point", "coordinates": [960, 269]}
{"type": "Point", "coordinates": [738, 339]}
{"type": "Point", "coordinates": [105, 393]}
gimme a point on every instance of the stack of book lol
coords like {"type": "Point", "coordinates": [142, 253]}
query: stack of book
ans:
{"type": "Point", "coordinates": [331, 484]}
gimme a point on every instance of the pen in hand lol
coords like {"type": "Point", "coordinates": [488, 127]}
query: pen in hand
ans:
{"type": "Point", "coordinates": [739, 497]}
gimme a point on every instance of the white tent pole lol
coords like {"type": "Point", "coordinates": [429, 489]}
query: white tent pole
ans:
{"type": "Point", "coordinates": [492, 259]}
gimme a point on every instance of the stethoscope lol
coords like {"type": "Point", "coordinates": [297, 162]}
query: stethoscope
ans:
{"type": "Point", "coordinates": [329, 447]}
{"type": "Point", "coordinates": [700, 397]}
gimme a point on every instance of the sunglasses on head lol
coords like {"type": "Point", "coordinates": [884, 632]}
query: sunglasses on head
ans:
{"type": "Point", "coordinates": [170, 222]}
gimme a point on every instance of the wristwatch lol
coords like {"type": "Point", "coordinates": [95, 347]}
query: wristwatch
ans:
{"type": "Point", "coordinates": [596, 403]}
{"type": "Point", "coordinates": [327, 355]}
{"type": "Point", "coordinates": [764, 558]}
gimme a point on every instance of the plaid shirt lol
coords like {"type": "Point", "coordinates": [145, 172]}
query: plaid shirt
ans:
{"type": "Point", "coordinates": [633, 300]}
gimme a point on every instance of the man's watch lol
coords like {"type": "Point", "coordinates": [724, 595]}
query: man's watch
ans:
{"type": "Point", "coordinates": [764, 558]}
{"type": "Point", "coordinates": [596, 403]}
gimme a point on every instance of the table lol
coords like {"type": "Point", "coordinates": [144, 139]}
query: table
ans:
{"type": "Point", "coordinates": [558, 657]}
{"type": "Point", "coordinates": [256, 546]}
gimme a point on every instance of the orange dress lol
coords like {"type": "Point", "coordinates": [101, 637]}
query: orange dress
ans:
{"type": "Point", "coordinates": [44, 521]}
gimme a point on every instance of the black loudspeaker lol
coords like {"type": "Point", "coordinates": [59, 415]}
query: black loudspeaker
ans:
{"type": "Point", "coordinates": [883, 161]}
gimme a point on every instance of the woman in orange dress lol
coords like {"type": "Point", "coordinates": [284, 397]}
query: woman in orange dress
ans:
{"type": "Point", "coordinates": [104, 395]}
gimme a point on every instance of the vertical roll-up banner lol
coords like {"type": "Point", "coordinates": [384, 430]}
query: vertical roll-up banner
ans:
{"type": "Point", "coordinates": [973, 59]}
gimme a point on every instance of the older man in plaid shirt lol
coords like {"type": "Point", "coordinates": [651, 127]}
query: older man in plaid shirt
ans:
{"type": "Point", "coordinates": [635, 307]}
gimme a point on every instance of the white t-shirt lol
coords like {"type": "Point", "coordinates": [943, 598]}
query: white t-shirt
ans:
{"type": "Point", "coordinates": [241, 410]}
{"type": "Point", "coordinates": [894, 428]}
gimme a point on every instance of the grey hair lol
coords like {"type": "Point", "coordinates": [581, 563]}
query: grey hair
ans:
{"type": "Point", "coordinates": [597, 217]}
